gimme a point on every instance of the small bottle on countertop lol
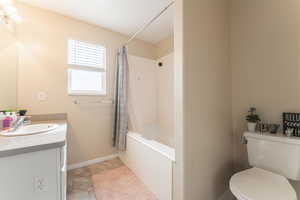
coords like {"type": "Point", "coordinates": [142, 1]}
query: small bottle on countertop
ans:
{"type": "Point", "coordinates": [2, 117]}
{"type": "Point", "coordinates": [7, 121]}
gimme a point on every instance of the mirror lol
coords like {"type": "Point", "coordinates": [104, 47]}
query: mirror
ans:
{"type": "Point", "coordinates": [8, 69]}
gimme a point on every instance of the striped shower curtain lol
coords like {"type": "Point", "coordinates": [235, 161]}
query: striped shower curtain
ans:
{"type": "Point", "coordinates": [121, 115]}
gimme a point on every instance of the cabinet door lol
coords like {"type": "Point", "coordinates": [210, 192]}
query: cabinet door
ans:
{"type": "Point", "coordinates": [63, 164]}
{"type": "Point", "coordinates": [31, 176]}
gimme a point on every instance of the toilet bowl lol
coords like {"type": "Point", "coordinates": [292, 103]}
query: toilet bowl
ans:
{"type": "Point", "coordinates": [259, 184]}
{"type": "Point", "coordinates": [275, 159]}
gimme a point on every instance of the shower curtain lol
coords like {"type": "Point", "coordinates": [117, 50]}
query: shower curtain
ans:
{"type": "Point", "coordinates": [121, 115]}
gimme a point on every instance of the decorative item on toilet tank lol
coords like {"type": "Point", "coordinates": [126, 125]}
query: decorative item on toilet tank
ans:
{"type": "Point", "coordinates": [252, 119]}
{"type": "Point", "coordinates": [291, 124]}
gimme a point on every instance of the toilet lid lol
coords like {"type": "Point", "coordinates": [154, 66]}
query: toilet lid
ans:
{"type": "Point", "coordinates": [259, 184]}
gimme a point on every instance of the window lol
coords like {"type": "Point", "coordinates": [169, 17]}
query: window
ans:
{"type": "Point", "coordinates": [87, 68]}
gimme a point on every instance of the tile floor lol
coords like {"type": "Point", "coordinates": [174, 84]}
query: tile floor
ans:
{"type": "Point", "coordinates": [80, 186]}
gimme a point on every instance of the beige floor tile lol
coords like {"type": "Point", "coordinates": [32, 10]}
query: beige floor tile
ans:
{"type": "Point", "coordinates": [80, 186]}
{"type": "Point", "coordinates": [81, 172]}
{"type": "Point", "coordinates": [107, 165]}
{"type": "Point", "coordinates": [82, 196]}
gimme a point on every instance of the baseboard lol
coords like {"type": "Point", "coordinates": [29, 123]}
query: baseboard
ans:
{"type": "Point", "coordinates": [90, 162]}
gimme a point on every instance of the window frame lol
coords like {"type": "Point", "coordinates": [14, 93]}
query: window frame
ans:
{"type": "Point", "coordinates": [103, 71]}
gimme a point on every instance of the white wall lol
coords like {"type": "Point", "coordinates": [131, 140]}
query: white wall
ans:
{"type": "Point", "coordinates": [152, 97]}
{"type": "Point", "coordinates": [151, 101]}
{"type": "Point", "coordinates": [165, 47]}
{"type": "Point", "coordinates": [179, 167]}
{"type": "Point", "coordinates": [165, 99]}
{"type": "Point", "coordinates": [143, 93]}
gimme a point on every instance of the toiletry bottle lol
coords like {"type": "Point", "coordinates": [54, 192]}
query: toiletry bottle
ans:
{"type": "Point", "coordinates": [7, 122]}
{"type": "Point", "coordinates": [2, 117]}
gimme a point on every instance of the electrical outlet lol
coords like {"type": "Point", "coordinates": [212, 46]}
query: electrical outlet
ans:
{"type": "Point", "coordinates": [39, 184]}
{"type": "Point", "coordinates": [41, 96]}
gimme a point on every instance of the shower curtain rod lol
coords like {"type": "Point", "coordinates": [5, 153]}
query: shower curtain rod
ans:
{"type": "Point", "coordinates": [149, 23]}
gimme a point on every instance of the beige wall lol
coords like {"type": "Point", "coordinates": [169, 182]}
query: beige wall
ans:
{"type": "Point", "coordinates": [265, 49]}
{"type": "Point", "coordinates": [207, 132]}
{"type": "Point", "coordinates": [165, 47]}
{"type": "Point", "coordinates": [8, 69]}
{"type": "Point", "coordinates": [43, 68]}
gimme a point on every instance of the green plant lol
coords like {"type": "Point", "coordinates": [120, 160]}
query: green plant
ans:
{"type": "Point", "coordinates": [22, 112]}
{"type": "Point", "coordinates": [252, 116]}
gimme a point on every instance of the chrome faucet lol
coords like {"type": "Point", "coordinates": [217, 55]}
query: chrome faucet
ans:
{"type": "Point", "coordinates": [17, 124]}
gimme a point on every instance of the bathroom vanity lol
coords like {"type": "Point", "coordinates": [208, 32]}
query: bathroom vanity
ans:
{"type": "Point", "coordinates": [33, 167]}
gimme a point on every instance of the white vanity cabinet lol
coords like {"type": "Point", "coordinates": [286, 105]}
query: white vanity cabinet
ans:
{"type": "Point", "coordinates": [38, 175]}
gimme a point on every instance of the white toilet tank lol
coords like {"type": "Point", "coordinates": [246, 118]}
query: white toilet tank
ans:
{"type": "Point", "coordinates": [276, 153]}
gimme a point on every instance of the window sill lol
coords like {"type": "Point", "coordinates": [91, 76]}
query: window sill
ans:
{"type": "Point", "coordinates": [87, 94]}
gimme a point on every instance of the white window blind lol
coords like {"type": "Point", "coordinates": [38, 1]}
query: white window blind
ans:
{"type": "Point", "coordinates": [86, 54]}
{"type": "Point", "coordinates": [87, 68]}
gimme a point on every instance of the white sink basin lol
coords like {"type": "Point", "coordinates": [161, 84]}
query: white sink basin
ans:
{"type": "Point", "coordinates": [30, 130]}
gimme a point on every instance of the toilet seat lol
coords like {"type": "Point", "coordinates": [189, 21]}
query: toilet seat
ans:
{"type": "Point", "coordinates": [259, 184]}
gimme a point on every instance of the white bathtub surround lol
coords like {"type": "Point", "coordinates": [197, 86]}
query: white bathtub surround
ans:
{"type": "Point", "coordinates": [151, 102]}
{"type": "Point", "coordinates": [151, 111]}
{"type": "Point", "coordinates": [152, 162]}
{"type": "Point", "coordinates": [165, 99]}
{"type": "Point", "coordinates": [142, 92]}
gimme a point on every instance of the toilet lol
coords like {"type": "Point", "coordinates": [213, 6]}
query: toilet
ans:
{"type": "Point", "coordinates": [274, 160]}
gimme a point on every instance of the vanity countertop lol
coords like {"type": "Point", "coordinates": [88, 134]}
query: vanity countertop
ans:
{"type": "Point", "coordinates": [10, 146]}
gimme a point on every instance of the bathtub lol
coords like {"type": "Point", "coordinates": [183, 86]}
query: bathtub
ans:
{"type": "Point", "coordinates": [152, 162]}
